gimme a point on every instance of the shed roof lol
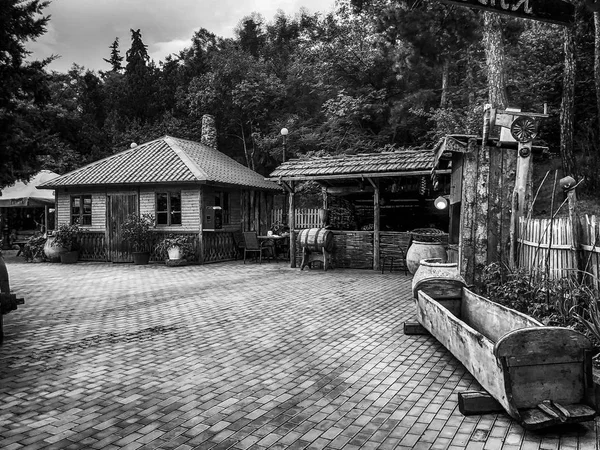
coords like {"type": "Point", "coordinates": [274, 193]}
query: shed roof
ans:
{"type": "Point", "coordinates": [386, 164]}
{"type": "Point", "coordinates": [167, 160]}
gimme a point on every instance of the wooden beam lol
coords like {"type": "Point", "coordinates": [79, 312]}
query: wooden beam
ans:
{"type": "Point", "coordinates": [476, 402]}
{"type": "Point", "coordinates": [357, 176]}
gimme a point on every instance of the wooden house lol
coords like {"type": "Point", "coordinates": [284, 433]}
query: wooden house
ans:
{"type": "Point", "coordinates": [189, 187]}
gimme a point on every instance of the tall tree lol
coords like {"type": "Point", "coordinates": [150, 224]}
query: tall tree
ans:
{"type": "Point", "coordinates": [115, 60]}
{"type": "Point", "coordinates": [23, 89]}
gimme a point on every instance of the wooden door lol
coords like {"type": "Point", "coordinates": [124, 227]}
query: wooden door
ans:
{"type": "Point", "coordinates": [119, 207]}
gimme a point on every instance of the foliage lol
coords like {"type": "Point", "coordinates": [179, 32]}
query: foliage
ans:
{"type": "Point", "coordinates": [173, 240]}
{"type": "Point", "coordinates": [66, 235]}
{"type": "Point", "coordinates": [34, 247]}
{"type": "Point", "coordinates": [137, 230]}
{"type": "Point", "coordinates": [23, 90]}
{"type": "Point", "coordinates": [557, 302]}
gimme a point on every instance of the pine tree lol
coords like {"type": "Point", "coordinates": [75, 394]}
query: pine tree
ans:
{"type": "Point", "coordinates": [115, 57]}
{"type": "Point", "coordinates": [23, 89]}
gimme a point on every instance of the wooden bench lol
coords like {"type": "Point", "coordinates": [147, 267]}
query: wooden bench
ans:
{"type": "Point", "coordinates": [541, 376]}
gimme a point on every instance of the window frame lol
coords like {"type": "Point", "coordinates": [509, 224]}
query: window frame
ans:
{"type": "Point", "coordinates": [79, 218]}
{"type": "Point", "coordinates": [169, 211]}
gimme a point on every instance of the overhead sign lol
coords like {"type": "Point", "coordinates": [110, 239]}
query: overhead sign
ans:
{"type": "Point", "coordinates": [553, 11]}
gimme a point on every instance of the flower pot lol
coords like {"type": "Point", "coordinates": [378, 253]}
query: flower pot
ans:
{"type": "Point", "coordinates": [438, 279]}
{"type": "Point", "coordinates": [174, 252]}
{"type": "Point", "coordinates": [69, 257]}
{"type": "Point", "coordinates": [53, 252]}
{"type": "Point", "coordinates": [141, 258]}
{"type": "Point", "coordinates": [424, 250]}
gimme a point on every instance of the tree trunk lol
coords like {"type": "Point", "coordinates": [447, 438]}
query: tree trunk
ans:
{"type": "Point", "coordinates": [597, 63]}
{"type": "Point", "coordinates": [567, 106]}
{"type": "Point", "coordinates": [445, 76]}
{"type": "Point", "coordinates": [494, 52]}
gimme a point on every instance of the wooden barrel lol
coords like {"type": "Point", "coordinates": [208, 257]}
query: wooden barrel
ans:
{"type": "Point", "coordinates": [316, 239]}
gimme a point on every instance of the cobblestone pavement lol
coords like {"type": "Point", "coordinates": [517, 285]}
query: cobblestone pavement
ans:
{"type": "Point", "coordinates": [107, 356]}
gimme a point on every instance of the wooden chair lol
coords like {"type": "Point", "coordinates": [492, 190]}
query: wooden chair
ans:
{"type": "Point", "coordinates": [398, 257]}
{"type": "Point", "coordinates": [252, 245]}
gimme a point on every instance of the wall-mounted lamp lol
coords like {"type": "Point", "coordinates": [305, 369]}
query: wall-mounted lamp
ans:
{"type": "Point", "coordinates": [440, 202]}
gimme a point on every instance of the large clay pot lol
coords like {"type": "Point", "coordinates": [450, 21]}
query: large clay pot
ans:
{"type": "Point", "coordinates": [438, 279]}
{"type": "Point", "coordinates": [424, 250]}
{"type": "Point", "coordinates": [53, 252]}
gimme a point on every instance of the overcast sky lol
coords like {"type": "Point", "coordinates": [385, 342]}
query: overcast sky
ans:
{"type": "Point", "coordinates": [80, 31]}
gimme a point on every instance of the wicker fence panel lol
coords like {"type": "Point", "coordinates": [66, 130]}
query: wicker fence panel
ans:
{"type": "Point", "coordinates": [353, 249]}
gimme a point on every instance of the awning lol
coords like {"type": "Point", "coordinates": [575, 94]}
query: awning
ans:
{"type": "Point", "coordinates": [22, 194]}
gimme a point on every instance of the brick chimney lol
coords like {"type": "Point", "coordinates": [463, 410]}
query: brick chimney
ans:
{"type": "Point", "coordinates": [209, 131]}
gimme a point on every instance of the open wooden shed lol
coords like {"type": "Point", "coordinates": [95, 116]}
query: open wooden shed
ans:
{"type": "Point", "coordinates": [395, 190]}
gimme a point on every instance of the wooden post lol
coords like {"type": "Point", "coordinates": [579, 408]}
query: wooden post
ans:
{"type": "Point", "coordinates": [467, 218]}
{"type": "Point", "coordinates": [201, 227]}
{"type": "Point", "coordinates": [481, 211]}
{"type": "Point", "coordinates": [262, 213]}
{"type": "Point", "coordinates": [292, 224]}
{"type": "Point", "coordinates": [574, 217]}
{"type": "Point", "coordinates": [520, 197]}
{"type": "Point", "coordinates": [376, 224]}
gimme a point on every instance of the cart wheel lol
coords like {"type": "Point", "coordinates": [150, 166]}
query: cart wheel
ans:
{"type": "Point", "coordinates": [524, 129]}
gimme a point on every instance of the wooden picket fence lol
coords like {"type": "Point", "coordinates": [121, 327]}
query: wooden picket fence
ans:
{"type": "Point", "coordinates": [305, 218]}
{"type": "Point", "coordinates": [546, 248]}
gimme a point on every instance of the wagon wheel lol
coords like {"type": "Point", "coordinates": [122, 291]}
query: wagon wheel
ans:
{"type": "Point", "coordinates": [524, 129]}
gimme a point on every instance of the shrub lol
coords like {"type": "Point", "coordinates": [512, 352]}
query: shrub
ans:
{"type": "Point", "coordinates": [137, 230]}
{"type": "Point", "coordinates": [34, 248]}
{"type": "Point", "coordinates": [66, 235]}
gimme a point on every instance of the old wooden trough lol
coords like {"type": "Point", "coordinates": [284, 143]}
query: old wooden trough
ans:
{"type": "Point", "coordinates": [541, 376]}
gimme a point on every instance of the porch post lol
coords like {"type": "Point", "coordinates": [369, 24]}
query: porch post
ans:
{"type": "Point", "coordinates": [376, 224]}
{"type": "Point", "coordinates": [201, 228]}
{"type": "Point", "coordinates": [292, 223]}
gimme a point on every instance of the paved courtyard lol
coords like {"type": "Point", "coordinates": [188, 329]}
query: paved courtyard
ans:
{"type": "Point", "coordinates": [117, 356]}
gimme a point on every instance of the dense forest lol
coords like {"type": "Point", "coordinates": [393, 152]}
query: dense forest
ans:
{"type": "Point", "coordinates": [372, 76]}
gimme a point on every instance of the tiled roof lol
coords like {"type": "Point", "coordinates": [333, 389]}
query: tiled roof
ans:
{"type": "Point", "coordinates": [165, 160]}
{"type": "Point", "coordinates": [367, 163]}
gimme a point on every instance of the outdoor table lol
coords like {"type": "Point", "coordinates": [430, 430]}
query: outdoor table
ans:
{"type": "Point", "coordinates": [278, 243]}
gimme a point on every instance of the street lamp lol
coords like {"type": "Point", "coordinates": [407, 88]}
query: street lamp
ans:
{"type": "Point", "coordinates": [284, 133]}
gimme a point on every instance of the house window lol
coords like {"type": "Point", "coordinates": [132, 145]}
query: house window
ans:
{"type": "Point", "coordinates": [81, 210]}
{"type": "Point", "coordinates": [168, 208]}
{"type": "Point", "coordinates": [222, 200]}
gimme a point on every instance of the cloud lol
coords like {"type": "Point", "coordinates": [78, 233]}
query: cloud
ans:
{"type": "Point", "coordinates": [81, 31]}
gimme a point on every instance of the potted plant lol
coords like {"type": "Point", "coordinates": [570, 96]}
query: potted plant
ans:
{"type": "Point", "coordinates": [137, 231]}
{"type": "Point", "coordinates": [65, 237]}
{"type": "Point", "coordinates": [33, 250]}
{"type": "Point", "coordinates": [176, 247]}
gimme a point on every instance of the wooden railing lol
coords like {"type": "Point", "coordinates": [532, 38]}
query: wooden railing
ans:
{"type": "Point", "coordinates": [304, 218]}
{"type": "Point", "coordinates": [92, 246]}
{"type": "Point", "coordinates": [219, 246]}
